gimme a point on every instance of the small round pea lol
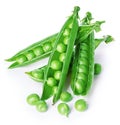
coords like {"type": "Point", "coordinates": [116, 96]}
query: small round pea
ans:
{"type": "Point", "coordinates": [30, 55]}
{"type": "Point", "coordinates": [61, 48]}
{"type": "Point", "coordinates": [66, 96]}
{"type": "Point", "coordinates": [56, 65]}
{"type": "Point", "coordinates": [32, 99]}
{"type": "Point", "coordinates": [54, 89]}
{"type": "Point", "coordinates": [66, 32]}
{"type": "Point", "coordinates": [41, 106]}
{"type": "Point", "coordinates": [97, 69]}
{"type": "Point", "coordinates": [80, 105]}
{"type": "Point", "coordinates": [63, 109]}
{"type": "Point", "coordinates": [70, 25]}
{"type": "Point", "coordinates": [21, 59]}
{"type": "Point", "coordinates": [38, 51]}
{"type": "Point", "coordinates": [57, 75]}
{"type": "Point", "coordinates": [47, 47]}
{"type": "Point", "coordinates": [80, 86]}
{"type": "Point", "coordinates": [51, 81]}
{"type": "Point", "coordinates": [38, 74]}
{"type": "Point", "coordinates": [66, 40]}
{"type": "Point", "coordinates": [62, 57]}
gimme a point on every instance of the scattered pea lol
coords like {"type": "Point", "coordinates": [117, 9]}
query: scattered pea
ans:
{"type": "Point", "coordinates": [57, 75]}
{"type": "Point", "coordinates": [41, 106]}
{"type": "Point", "coordinates": [38, 51]}
{"type": "Point", "coordinates": [80, 105]}
{"type": "Point", "coordinates": [61, 47]}
{"type": "Point", "coordinates": [97, 69]}
{"type": "Point", "coordinates": [47, 47]}
{"type": "Point", "coordinates": [64, 109]}
{"type": "Point", "coordinates": [66, 96]}
{"type": "Point", "coordinates": [66, 32]}
{"type": "Point", "coordinates": [62, 57]}
{"type": "Point", "coordinates": [32, 99]}
{"type": "Point", "coordinates": [56, 65]}
{"type": "Point", "coordinates": [51, 81]}
{"type": "Point", "coordinates": [54, 89]}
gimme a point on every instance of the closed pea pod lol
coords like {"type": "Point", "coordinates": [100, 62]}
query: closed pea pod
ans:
{"type": "Point", "coordinates": [54, 63]}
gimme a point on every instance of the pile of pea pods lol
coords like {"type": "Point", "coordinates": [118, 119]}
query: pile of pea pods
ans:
{"type": "Point", "coordinates": [70, 51]}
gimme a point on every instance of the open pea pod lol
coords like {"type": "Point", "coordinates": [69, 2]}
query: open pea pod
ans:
{"type": "Point", "coordinates": [43, 48]}
{"type": "Point", "coordinates": [38, 74]}
{"type": "Point", "coordinates": [60, 58]}
{"type": "Point", "coordinates": [83, 66]}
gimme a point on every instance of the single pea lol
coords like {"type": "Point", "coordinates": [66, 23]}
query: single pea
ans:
{"type": "Point", "coordinates": [57, 75]}
{"type": "Point", "coordinates": [66, 40]}
{"type": "Point", "coordinates": [56, 65]}
{"type": "Point", "coordinates": [32, 99]}
{"type": "Point", "coordinates": [41, 106]}
{"type": "Point", "coordinates": [66, 32]}
{"type": "Point", "coordinates": [38, 74]}
{"type": "Point", "coordinates": [54, 89]}
{"type": "Point", "coordinates": [51, 81]}
{"type": "Point", "coordinates": [70, 25]}
{"type": "Point", "coordinates": [21, 59]}
{"type": "Point", "coordinates": [97, 69]}
{"type": "Point", "coordinates": [38, 51]}
{"type": "Point", "coordinates": [47, 47]}
{"type": "Point", "coordinates": [61, 47]}
{"type": "Point", "coordinates": [80, 105]}
{"type": "Point", "coordinates": [63, 109]}
{"type": "Point", "coordinates": [62, 57]}
{"type": "Point", "coordinates": [83, 68]}
{"type": "Point", "coordinates": [66, 96]}
{"type": "Point", "coordinates": [30, 55]}
{"type": "Point", "coordinates": [79, 86]}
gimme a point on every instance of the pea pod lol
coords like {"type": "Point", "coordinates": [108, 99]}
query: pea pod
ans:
{"type": "Point", "coordinates": [38, 74]}
{"type": "Point", "coordinates": [69, 30]}
{"type": "Point", "coordinates": [43, 48]}
{"type": "Point", "coordinates": [83, 66]}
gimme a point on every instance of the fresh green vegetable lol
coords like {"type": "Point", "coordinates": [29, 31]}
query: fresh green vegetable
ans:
{"type": "Point", "coordinates": [32, 99]}
{"type": "Point", "coordinates": [54, 63]}
{"type": "Point", "coordinates": [41, 106]}
{"type": "Point", "coordinates": [97, 69]}
{"type": "Point", "coordinates": [81, 105]}
{"type": "Point", "coordinates": [63, 109]}
{"type": "Point", "coordinates": [66, 97]}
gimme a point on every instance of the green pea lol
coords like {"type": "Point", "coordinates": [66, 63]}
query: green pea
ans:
{"type": "Point", "coordinates": [32, 99]}
{"type": "Point", "coordinates": [61, 47]}
{"type": "Point", "coordinates": [47, 47]}
{"type": "Point", "coordinates": [80, 105]}
{"type": "Point", "coordinates": [57, 75]}
{"type": "Point", "coordinates": [41, 106]}
{"type": "Point", "coordinates": [51, 81]}
{"type": "Point", "coordinates": [66, 40]}
{"type": "Point", "coordinates": [38, 74]}
{"type": "Point", "coordinates": [97, 69]}
{"type": "Point", "coordinates": [66, 32]}
{"type": "Point", "coordinates": [83, 69]}
{"type": "Point", "coordinates": [82, 76]}
{"type": "Point", "coordinates": [70, 25]}
{"type": "Point", "coordinates": [79, 86]}
{"type": "Point", "coordinates": [56, 65]}
{"type": "Point", "coordinates": [54, 89]}
{"type": "Point", "coordinates": [21, 59]}
{"type": "Point", "coordinates": [63, 109]}
{"type": "Point", "coordinates": [62, 57]}
{"type": "Point", "coordinates": [30, 55]}
{"type": "Point", "coordinates": [38, 51]}
{"type": "Point", "coordinates": [66, 96]}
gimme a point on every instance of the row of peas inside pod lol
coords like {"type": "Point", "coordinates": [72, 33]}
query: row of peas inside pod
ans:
{"type": "Point", "coordinates": [70, 51]}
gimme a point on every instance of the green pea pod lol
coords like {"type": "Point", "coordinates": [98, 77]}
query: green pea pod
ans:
{"type": "Point", "coordinates": [43, 48]}
{"type": "Point", "coordinates": [83, 66]}
{"type": "Point", "coordinates": [33, 53]}
{"type": "Point", "coordinates": [69, 32]}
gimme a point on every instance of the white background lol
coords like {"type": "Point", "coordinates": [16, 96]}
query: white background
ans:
{"type": "Point", "coordinates": [23, 22]}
